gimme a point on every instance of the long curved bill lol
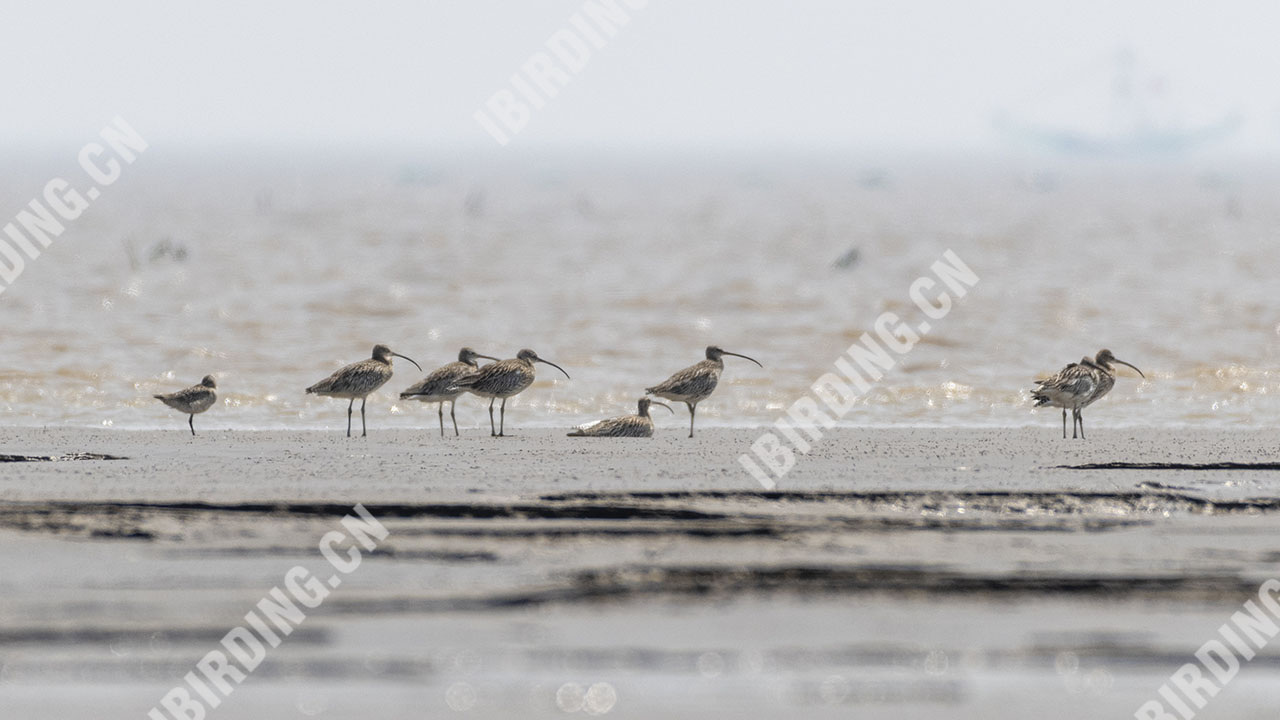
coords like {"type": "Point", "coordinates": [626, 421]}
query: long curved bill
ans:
{"type": "Point", "coordinates": [1121, 362]}
{"type": "Point", "coordinates": [488, 357]}
{"type": "Point", "coordinates": [668, 407]}
{"type": "Point", "coordinates": [744, 357]}
{"type": "Point", "coordinates": [548, 362]}
{"type": "Point", "coordinates": [406, 357]}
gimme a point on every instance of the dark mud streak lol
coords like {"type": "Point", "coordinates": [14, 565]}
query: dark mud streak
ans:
{"type": "Point", "coordinates": [939, 498]}
{"type": "Point", "coordinates": [58, 458]}
{"type": "Point", "coordinates": [640, 583]}
{"type": "Point", "coordinates": [458, 511]}
{"type": "Point", "coordinates": [141, 637]}
{"type": "Point", "coordinates": [1170, 466]}
{"type": "Point", "coordinates": [789, 529]}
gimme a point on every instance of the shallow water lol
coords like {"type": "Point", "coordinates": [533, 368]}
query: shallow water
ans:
{"type": "Point", "coordinates": [272, 272]}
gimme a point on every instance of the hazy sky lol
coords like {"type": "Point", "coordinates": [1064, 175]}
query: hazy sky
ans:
{"type": "Point", "coordinates": [808, 73]}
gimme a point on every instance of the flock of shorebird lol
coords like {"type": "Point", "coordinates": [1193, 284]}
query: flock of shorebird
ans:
{"type": "Point", "coordinates": [1074, 388]}
{"type": "Point", "coordinates": [498, 380]}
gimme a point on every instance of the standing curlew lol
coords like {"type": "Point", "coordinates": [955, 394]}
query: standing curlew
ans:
{"type": "Point", "coordinates": [695, 383]}
{"type": "Point", "coordinates": [193, 400]}
{"type": "Point", "coordinates": [441, 385]}
{"type": "Point", "coordinates": [1077, 386]}
{"type": "Point", "coordinates": [357, 380]}
{"type": "Point", "coordinates": [638, 425]}
{"type": "Point", "coordinates": [504, 379]}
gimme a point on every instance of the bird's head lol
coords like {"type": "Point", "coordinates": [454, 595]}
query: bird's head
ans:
{"type": "Point", "coordinates": [715, 353]}
{"type": "Point", "coordinates": [469, 356]}
{"type": "Point", "coordinates": [1105, 358]}
{"type": "Point", "coordinates": [531, 357]}
{"type": "Point", "coordinates": [383, 354]}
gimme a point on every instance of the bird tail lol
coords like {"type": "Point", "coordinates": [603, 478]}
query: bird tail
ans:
{"type": "Point", "coordinates": [1040, 399]}
{"type": "Point", "coordinates": [576, 433]}
{"type": "Point", "coordinates": [158, 397]}
{"type": "Point", "coordinates": [650, 390]}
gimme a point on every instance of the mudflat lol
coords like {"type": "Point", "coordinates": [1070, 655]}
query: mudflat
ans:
{"type": "Point", "coordinates": [896, 573]}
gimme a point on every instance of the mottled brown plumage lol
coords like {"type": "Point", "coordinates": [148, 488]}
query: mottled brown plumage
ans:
{"type": "Point", "coordinates": [638, 425]}
{"type": "Point", "coordinates": [193, 400]}
{"type": "Point", "coordinates": [358, 380]}
{"type": "Point", "coordinates": [504, 379]}
{"type": "Point", "coordinates": [695, 383]}
{"type": "Point", "coordinates": [1078, 386]}
{"type": "Point", "coordinates": [441, 385]}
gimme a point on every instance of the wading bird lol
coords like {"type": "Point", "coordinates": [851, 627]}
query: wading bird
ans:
{"type": "Point", "coordinates": [357, 380]}
{"type": "Point", "coordinates": [193, 400]}
{"type": "Point", "coordinates": [504, 379]}
{"type": "Point", "coordinates": [1077, 386]}
{"type": "Point", "coordinates": [695, 383]}
{"type": "Point", "coordinates": [441, 385]}
{"type": "Point", "coordinates": [638, 425]}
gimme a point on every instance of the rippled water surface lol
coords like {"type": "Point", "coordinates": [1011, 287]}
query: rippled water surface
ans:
{"type": "Point", "coordinates": [271, 273]}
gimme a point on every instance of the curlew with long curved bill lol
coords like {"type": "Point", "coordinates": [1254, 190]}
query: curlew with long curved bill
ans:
{"type": "Point", "coordinates": [695, 383]}
{"type": "Point", "coordinates": [502, 380]}
{"type": "Point", "coordinates": [441, 386]}
{"type": "Point", "coordinates": [193, 400]}
{"type": "Point", "coordinates": [638, 425]}
{"type": "Point", "coordinates": [1077, 386]}
{"type": "Point", "coordinates": [358, 380]}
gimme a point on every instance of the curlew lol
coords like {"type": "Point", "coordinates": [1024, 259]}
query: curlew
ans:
{"type": "Point", "coordinates": [638, 425]}
{"type": "Point", "coordinates": [504, 379]}
{"type": "Point", "coordinates": [193, 400]}
{"type": "Point", "coordinates": [695, 383]}
{"type": "Point", "coordinates": [1077, 386]}
{"type": "Point", "coordinates": [441, 385]}
{"type": "Point", "coordinates": [357, 380]}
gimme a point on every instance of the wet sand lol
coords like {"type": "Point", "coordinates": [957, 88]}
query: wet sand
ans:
{"type": "Point", "coordinates": [905, 573]}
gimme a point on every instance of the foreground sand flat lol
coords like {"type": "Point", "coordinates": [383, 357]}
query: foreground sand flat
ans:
{"type": "Point", "coordinates": [894, 573]}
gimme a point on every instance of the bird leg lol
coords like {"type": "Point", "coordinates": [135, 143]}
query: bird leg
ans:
{"type": "Point", "coordinates": [493, 430]}
{"type": "Point", "coordinates": [191, 421]}
{"type": "Point", "coordinates": [502, 418]}
{"type": "Point", "coordinates": [349, 406]}
{"type": "Point", "coordinates": [453, 405]}
{"type": "Point", "coordinates": [1075, 420]}
{"type": "Point", "coordinates": [364, 431]}
{"type": "Point", "coordinates": [1064, 423]}
{"type": "Point", "coordinates": [1081, 416]}
{"type": "Point", "coordinates": [693, 409]}
{"type": "Point", "coordinates": [441, 419]}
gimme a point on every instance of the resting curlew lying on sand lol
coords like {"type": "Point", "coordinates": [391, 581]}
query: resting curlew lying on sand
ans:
{"type": "Point", "coordinates": [1077, 386]}
{"type": "Point", "coordinates": [695, 383]}
{"type": "Point", "coordinates": [504, 379]}
{"type": "Point", "coordinates": [357, 380]}
{"type": "Point", "coordinates": [638, 425]}
{"type": "Point", "coordinates": [441, 385]}
{"type": "Point", "coordinates": [193, 400]}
